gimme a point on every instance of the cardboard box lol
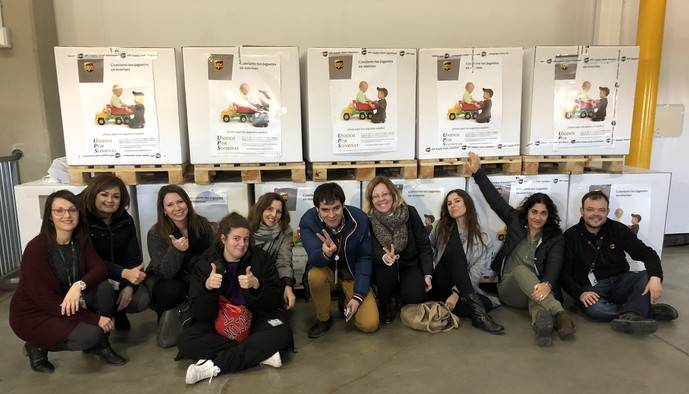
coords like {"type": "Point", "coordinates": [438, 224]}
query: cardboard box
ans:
{"type": "Point", "coordinates": [450, 124]}
{"type": "Point", "coordinates": [514, 189]}
{"type": "Point", "coordinates": [640, 193]}
{"type": "Point", "coordinates": [299, 200]}
{"type": "Point", "coordinates": [121, 106]}
{"type": "Point", "coordinates": [212, 201]}
{"type": "Point", "coordinates": [31, 197]}
{"type": "Point", "coordinates": [243, 104]}
{"type": "Point", "coordinates": [565, 111]}
{"type": "Point", "coordinates": [342, 122]}
{"type": "Point", "coordinates": [426, 195]}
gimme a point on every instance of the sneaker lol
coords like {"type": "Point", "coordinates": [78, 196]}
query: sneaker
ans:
{"type": "Point", "coordinates": [565, 326]}
{"type": "Point", "coordinates": [319, 328]}
{"type": "Point", "coordinates": [203, 369]}
{"type": "Point", "coordinates": [543, 327]}
{"type": "Point", "coordinates": [631, 323]}
{"type": "Point", "coordinates": [273, 361]}
{"type": "Point", "coordinates": [664, 312]}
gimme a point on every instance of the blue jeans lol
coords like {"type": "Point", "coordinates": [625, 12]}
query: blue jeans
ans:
{"type": "Point", "coordinates": [621, 294]}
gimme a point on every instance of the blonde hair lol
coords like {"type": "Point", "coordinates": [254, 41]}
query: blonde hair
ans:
{"type": "Point", "coordinates": [397, 198]}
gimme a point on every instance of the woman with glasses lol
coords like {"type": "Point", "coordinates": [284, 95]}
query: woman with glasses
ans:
{"type": "Point", "coordinates": [63, 300]}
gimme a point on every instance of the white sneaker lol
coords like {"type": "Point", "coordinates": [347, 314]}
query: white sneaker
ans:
{"type": "Point", "coordinates": [273, 361]}
{"type": "Point", "coordinates": [203, 369]}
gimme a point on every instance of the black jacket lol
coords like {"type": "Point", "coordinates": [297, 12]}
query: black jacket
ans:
{"type": "Point", "coordinates": [418, 250]}
{"type": "Point", "coordinates": [116, 244]}
{"type": "Point", "coordinates": [264, 301]}
{"type": "Point", "coordinates": [610, 244]}
{"type": "Point", "coordinates": [549, 253]}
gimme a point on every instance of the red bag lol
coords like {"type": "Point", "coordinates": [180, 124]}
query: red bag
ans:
{"type": "Point", "coordinates": [233, 321]}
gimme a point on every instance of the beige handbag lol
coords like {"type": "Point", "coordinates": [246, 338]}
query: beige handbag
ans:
{"type": "Point", "coordinates": [432, 316]}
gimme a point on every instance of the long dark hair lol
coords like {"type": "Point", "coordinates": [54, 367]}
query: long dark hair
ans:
{"type": "Point", "coordinates": [446, 223]}
{"type": "Point", "coordinates": [48, 227]}
{"type": "Point", "coordinates": [552, 225]}
{"type": "Point", "coordinates": [227, 224]}
{"type": "Point", "coordinates": [165, 225]}
{"type": "Point", "coordinates": [97, 185]}
{"type": "Point", "coordinates": [256, 212]}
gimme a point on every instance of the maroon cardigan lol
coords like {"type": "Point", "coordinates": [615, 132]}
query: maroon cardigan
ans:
{"type": "Point", "coordinates": [35, 308]}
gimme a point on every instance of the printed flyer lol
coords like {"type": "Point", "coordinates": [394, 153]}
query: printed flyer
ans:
{"type": "Point", "coordinates": [586, 88]}
{"type": "Point", "coordinates": [630, 204]}
{"type": "Point", "coordinates": [363, 100]}
{"type": "Point", "coordinates": [118, 104]}
{"type": "Point", "coordinates": [469, 101]}
{"type": "Point", "coordinates": [427, 199]}
{"type": "Point", "coordinates": [244, 104]}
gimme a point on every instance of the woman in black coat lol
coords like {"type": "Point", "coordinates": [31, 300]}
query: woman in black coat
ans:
{"type": "Point", "coordinates": [529, 262]}
{"type": "Point", "coordinates": [402, 255]}
{"type": "Point", "coordinates": [114, 237]}
{"type": "Point", "coordinates": [244, 275]}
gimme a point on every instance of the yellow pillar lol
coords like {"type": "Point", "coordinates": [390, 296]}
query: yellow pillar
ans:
{"type": "Point", "coordinates": [649, 38]}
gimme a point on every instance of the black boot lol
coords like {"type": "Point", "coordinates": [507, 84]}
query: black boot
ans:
{"type": "Point", "coordinates": [106, 352]}
{"type": "Point", "coordinates": [38, 358]}
{"type": "Point", "coordinates": [480, 318]}
{"type": "Point", "coordinates": [121, 321]}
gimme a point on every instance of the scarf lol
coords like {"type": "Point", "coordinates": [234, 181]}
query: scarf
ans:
{"type": "Point", "coordinates": [265, 234]}
{"type": "Point", "coordinates": [391, 228]}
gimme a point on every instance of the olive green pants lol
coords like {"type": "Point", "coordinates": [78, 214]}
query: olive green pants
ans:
{"type": "Point", "coordinates": [515, 290]}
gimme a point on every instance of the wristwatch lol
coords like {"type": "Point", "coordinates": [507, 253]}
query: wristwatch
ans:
{"type": "Point", "coordinates": [82, 284]}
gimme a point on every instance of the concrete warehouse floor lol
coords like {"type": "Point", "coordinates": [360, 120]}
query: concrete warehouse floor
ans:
{"type": "Point", "coordinates": [396, 359]}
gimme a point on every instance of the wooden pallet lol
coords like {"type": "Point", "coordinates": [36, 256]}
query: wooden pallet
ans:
{"type": "Point", "coordinates": [577, 164]}
{"type": "Point", "coordinates": [362, 170]}
{"type": "Point", "coordinates": [130, 174]}
{"type": "Point", "coordinates": [431, 168]}
{"type": "Point", "coordinates": [251, 172]}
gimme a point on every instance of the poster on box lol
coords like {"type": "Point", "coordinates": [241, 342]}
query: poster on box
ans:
{"type": "Point", "coordinates": [630, 204]}
{"type": "Point", "coordinates": [469, 101]}
{"type": "Point", "coordinates": [363, 100]}
{"type": "Point", "coordinates": [118, 104]}
{"type": "Point", "coordinates": [585, 99]}
{"type": "Point", "coordinates": [244, 105]}
{"type": "Point", "coordinates": [211, 204]}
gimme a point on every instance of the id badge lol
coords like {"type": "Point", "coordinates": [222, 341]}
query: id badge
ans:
{"type": "Point", "coordinates": [275, 322]}
{"type": "Point", "coordinates": [592, 278]}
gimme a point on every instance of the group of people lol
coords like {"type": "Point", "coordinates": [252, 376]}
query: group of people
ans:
{"type": "Point", "coordinates": [83, 273]}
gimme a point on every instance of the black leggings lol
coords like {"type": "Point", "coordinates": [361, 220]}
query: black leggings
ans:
{"type": "Point", "coordinates": [168, 293]}
{"type": "Point", "coordinates": [200, 341]}
{"type": "Point", "coordinates": [85, 336]}
{"type": "Point", "coordinates": [409, 281]}
{"type": "Point", "coordinates": [448, 274]}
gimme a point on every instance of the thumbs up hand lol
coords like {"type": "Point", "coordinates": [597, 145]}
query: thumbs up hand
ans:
{"type": "Point", "coordinates": [248, 281]}
{"type": "Point", "coordinates": [134, 275]}
{"type": "Point", "coordinates": [214, 279]}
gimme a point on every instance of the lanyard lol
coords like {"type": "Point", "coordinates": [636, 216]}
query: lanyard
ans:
{"type": "Point", "coordinates": [70, 277]}
{"type": "Point", "coordinates": [596, 249]}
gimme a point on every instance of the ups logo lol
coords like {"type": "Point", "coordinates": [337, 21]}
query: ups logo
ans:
{"type": "Point", "coordinates": [339, 64]}
{"type": "Point", "coordinates": [447, 66]}
{"type": "Point", "coordinates": [89, 67]}
{"type": "Point", "coordinates": [564, 67]}
{"type": "Point", "coordinates": [218, 64]}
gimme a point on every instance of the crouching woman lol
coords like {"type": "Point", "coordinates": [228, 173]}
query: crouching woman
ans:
{"type": "Point", "coordinates": [245, 276]}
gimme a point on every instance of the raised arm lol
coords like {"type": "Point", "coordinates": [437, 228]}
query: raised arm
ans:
{"type": "Point", "coordinates": [497, 204]}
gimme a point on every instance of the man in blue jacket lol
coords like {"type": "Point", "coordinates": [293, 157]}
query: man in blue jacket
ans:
{"type": "Point", "coordinates": [337, 240]}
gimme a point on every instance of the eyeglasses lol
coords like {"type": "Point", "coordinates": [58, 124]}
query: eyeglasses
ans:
{"type": "Point", "coordinates": [380, 196]}
{"type": "Point", "coordinates": [61, 211]}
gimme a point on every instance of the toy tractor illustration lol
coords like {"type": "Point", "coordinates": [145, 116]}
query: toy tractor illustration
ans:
{"type": "Point", "coordinates": [235, 111]}
{"type": "Point", "coordinates": [362, 110]}
{"type": "Point", "coordinates": [462, 109]}
{"type": "Point", "coordinates": [110, 113]}
{"type": "Point", "coordinates": [581, 109]}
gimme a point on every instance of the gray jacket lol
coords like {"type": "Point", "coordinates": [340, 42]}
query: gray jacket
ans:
{"type": "Point", "coordinates": [168, 262]}
{"type": "Point", "coordinates": [280, 250]}
{"type": "Point", "coordinates": [478, 259]}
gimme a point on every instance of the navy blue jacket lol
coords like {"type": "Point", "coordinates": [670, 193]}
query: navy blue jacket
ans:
{"type": "Point", "coordinates": [357, 246]}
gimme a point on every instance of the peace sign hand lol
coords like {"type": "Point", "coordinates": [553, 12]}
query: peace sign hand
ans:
{"type": "Point", "coordinates": [390, 257]}
{"type": "Point", "coordinates": [329, 248]}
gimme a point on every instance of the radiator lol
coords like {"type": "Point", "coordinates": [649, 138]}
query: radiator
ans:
{"type": "Point", "coordinates": [10, 246]}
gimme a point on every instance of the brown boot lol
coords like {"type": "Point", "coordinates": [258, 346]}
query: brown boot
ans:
{"type": "Point", "coordinates": [565, 326]}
